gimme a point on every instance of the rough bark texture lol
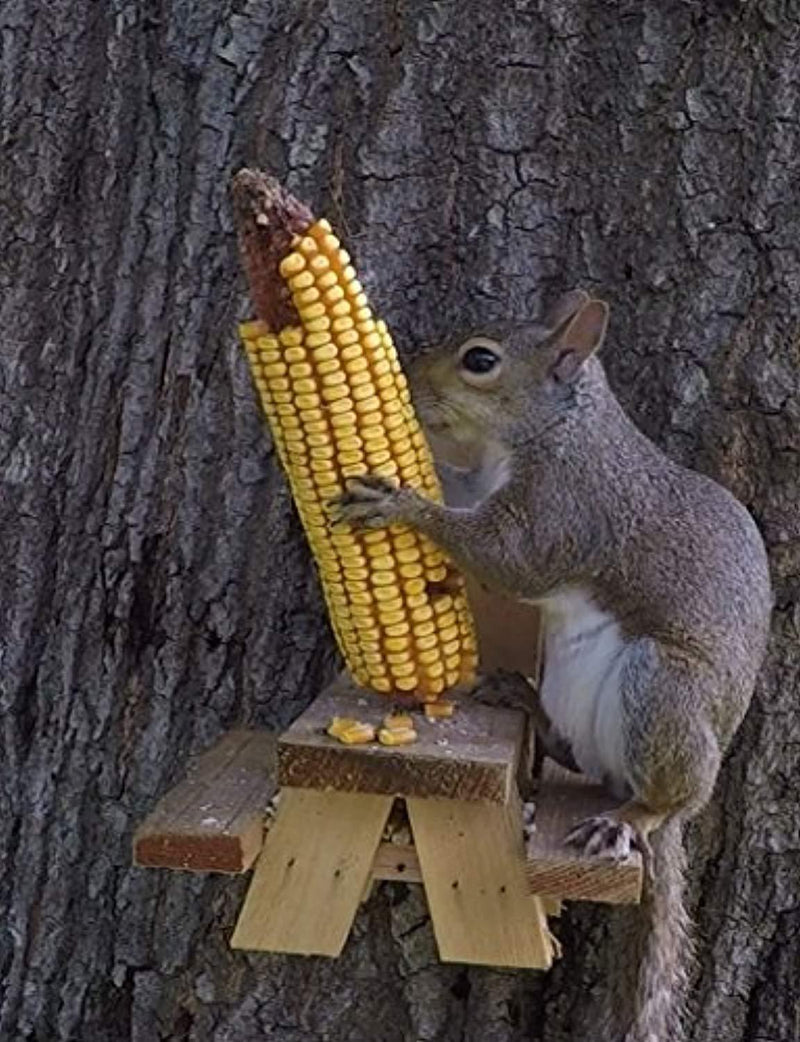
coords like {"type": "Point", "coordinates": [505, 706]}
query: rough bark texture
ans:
{"type": "Point", "coordinates": [155, 588]}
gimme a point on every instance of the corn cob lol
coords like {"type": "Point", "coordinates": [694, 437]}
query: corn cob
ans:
{"type": "Point", "coordinates": [337, 402]}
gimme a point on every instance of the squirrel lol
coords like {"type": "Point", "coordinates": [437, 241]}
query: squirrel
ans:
{"type": "Point", "coordinates": [652, 581]}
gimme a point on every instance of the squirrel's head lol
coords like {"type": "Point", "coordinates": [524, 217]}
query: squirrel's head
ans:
{"type": "Point", "coordinates": [504, 382]}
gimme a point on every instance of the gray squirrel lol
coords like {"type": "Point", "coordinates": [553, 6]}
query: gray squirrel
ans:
{"type": "Point", "coordinates": [653, 584]}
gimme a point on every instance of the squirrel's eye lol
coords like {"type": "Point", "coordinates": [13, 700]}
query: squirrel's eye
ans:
{"type": "Point", "coordinates": [479, 360]}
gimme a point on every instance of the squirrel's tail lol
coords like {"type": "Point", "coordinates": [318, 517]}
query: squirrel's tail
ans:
{"type": "Point", "coordinates": [651, 999]}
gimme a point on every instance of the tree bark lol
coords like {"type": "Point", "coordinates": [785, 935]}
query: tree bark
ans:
{"type": "Point", "coordinates": [155, 588]}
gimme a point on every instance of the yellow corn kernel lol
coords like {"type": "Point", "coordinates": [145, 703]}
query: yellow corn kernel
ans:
{"type": "Point", "coordinates": [397, 735]}
{"type": "Point", "coordinates": [339, 724]}
{"type": "Point", "coordinates": [360, 734]}
{"type": "Point", "coordinates": [398, 722]}
{"type": "Point", "coordinates": [327, 279]}
{"type": "Point", "coordinates": [291, 336]}
{"type": "Point", "coordinates": [341, 415]}
{"type": "Point", "coordinates": [397, 629]}
{"type": "Point", "coordinates": [440, 710]}
{"type": "Point", "coordinates": [291, 265]}
{"type": "Point", "coordinates": [306, 296]}
{"type": "Point", "coordinates": [434, 688]}
{"type": "Point", "coordinates": [398, 670]}
{"type": "Point", "coordinates": [348, 338]}
{"type": "Point", "coordinates": [302, 281]}
{"type": "Point", "coordinates": [393, 657]}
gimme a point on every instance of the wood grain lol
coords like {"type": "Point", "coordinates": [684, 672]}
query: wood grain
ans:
{"type": "Point", "coordinates": [397, 862]}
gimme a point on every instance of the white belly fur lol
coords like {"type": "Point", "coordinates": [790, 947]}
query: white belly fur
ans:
{"type": "Point", "coordinates": [584, 656]}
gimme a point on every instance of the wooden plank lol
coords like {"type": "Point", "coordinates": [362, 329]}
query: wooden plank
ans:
{"type": "Point", "coordinates": [551, 906]}
{"type": "Point", "coordinates": [473, 871]}
{"type": "Point", "coordinates": [510, 637]}
{"type": "Point", "coordinates": [554, 870]}
{"type": "Point", "coordinates": [508, 631]}
{"type": "Point", "coordinates": [312, 872]}
{"type": "Point", "coordinates": [213, 821]}
{"type": "Point", "coordinates": [471, 756]}
{"type": "Point", "coordinates": [397, 862]}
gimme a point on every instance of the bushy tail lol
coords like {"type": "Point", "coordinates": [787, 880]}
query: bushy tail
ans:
{"type": "Point", "coordinates": [648, 1000]}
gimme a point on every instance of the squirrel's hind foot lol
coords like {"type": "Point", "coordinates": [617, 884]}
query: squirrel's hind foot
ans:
{"type": "Point", "coordinates": [605, 836]}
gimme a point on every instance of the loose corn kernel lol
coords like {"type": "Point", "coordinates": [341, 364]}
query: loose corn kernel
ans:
{"type": "Point", "coordinates": [359, 734]}
{"type": "Point", "coordinates": [397, 736]}
{"type": "Point", "coordinates": [339, 724]}
{"type": "Point", "coordinates": [398, 721]}
{"type": "Point", "coordinates": [440, 710]}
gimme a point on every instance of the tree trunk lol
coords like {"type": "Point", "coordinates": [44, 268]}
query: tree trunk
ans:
{"type": "Point", "coordinates": [155, 588]}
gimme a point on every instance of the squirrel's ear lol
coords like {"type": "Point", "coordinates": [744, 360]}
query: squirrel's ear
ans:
{"type": "Point", "coordinates": [579, 340]}
{"type": "Point", "coordinates": [565, 307]}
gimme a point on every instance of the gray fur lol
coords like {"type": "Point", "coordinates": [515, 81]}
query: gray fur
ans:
{"type": "Point", "coordinates": [587, 503]}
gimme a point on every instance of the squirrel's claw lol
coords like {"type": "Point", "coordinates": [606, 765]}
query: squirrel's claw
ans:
{"type": "Point", "coordinates": [369, 502]}
{"type": "Point", "coordinates": [605, 836]}
{"type": "Point", "coordinates": [372, 486]}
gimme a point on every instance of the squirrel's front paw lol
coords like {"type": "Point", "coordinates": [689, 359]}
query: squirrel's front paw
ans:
{"type": "Point", "coordinates": [605, 836]}
{"type": "Point", "coordinates": [370, 501]}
